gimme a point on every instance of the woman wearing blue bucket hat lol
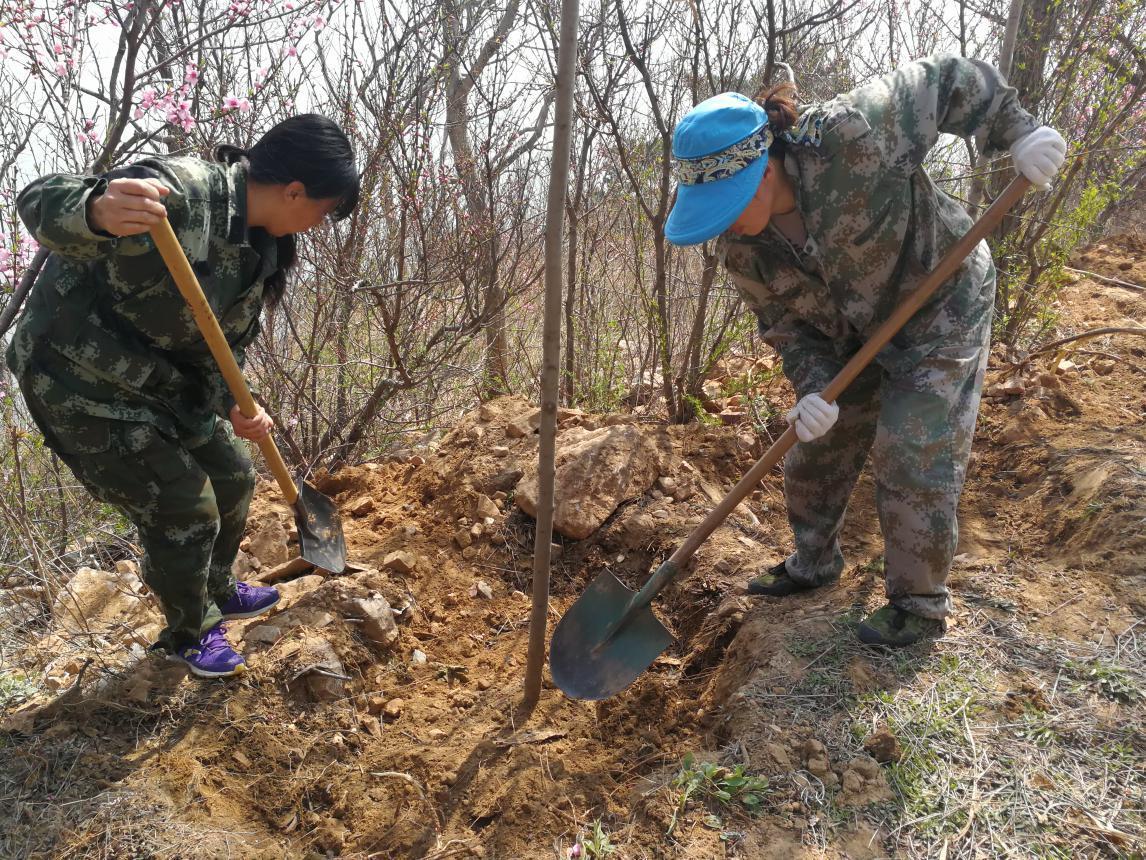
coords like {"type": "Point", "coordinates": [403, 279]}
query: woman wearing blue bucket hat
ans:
{"type": "Point", "coordinates": [825, 221]}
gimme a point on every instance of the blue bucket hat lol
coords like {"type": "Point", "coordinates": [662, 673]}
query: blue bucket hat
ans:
{"type": "Point", "coordinates": [721, 150]}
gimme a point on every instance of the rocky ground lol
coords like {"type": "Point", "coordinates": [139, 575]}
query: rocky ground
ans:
{"type": "Point", "coordinates": [381, 714]}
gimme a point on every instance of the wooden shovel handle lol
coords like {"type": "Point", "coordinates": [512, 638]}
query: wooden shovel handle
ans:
{"type": "Point", "coordinates": [180, 268]}
{"type": "Point", "coordinates": [946, 268]}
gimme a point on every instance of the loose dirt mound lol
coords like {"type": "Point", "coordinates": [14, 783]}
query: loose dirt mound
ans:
{"type": "Point", "coordinates": [380, 717]}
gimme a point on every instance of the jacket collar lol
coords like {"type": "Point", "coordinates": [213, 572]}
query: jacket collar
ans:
{"type": "Point", "coordinates": [237, 204]}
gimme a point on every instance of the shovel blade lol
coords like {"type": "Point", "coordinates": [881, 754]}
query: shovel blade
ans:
{"type": "Point", "coordinates": [320, 537]}
{"type": "Point", "coordinates": [586, 666]}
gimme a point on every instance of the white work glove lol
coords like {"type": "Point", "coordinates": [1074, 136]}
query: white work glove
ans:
{"type": "Point", "coordinates": [813, 417]}
{"type": "Point", "coordinates": [1038, 155]}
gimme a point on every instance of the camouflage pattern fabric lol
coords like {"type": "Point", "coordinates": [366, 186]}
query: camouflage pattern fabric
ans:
{"type": "Point", "coordinates": [876, 226]}
{"type": "Point", "coordinates": [121, 383]}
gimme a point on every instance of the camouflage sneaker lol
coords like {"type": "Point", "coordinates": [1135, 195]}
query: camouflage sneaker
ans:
{"type": "Point", "coordinates": [775, 582]}
{"type": "Point", "coordinates": [897, 627]}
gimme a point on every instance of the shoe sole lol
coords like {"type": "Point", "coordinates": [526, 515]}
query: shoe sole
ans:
{"type": "Point", "coordinates": [255, 614]}
{"type": "Point", "coordinates": [204, 673]}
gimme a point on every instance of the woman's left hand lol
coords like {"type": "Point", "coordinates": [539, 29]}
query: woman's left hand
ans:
{"type": "Point", "coordinates": [253, 429]}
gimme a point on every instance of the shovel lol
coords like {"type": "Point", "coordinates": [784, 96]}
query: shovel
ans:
{"type": "Point", "coordinates": [320, 538]}
{"type": "Point", "coordinates": [610, 635]}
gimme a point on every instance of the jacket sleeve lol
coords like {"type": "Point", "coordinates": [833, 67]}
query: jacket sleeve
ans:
{"type": "Point", "coordinates": [56, 209]}
{"type": "Point", "coordinates": [809, 355]}
{"type": "Point", "coordinates": [909, 108]}
{"type": "Point", "coordinates": [810, 361]}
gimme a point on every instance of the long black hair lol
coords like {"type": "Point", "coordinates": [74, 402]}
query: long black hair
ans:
{"type": "Point", "coordinates": [310, 149]}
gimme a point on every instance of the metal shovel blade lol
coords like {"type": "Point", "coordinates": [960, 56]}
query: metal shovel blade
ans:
{"type": "Point", "coordinates": [585, 661]}
{"type": "Point", "coordinates": [320, 538]}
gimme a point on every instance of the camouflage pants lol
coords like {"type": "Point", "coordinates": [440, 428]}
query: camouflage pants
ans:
{"type": "Point", "coordinates": [190, 507]}
{"type": "Point", "coordinates": [918, 430]}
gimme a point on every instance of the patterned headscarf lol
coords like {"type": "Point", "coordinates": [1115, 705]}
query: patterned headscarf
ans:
{"type": "Point", "coordinates": [727, 162]}
{"type": "Point", "coordinates": [730, 161]}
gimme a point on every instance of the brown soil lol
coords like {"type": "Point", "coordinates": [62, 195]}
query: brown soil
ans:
{"type": "Point", "coordinates": [1051, 534]}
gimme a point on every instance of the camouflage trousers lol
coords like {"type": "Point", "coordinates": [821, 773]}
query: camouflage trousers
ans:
{"type": "Point", "coordinates": [917, 429]}
{"type": "Point", "coordinates": [190, 508]}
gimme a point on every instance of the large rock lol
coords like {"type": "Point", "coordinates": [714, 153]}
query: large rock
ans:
{"type": "Point", "coordinates": [103, 602]}
{"type": "Point", "coordinates": [596, 471]}
{"type": "Point", "coordinates": [268, 541]}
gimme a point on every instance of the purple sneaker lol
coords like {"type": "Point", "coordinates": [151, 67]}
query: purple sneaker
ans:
{"type": "Point", "coordinates": [249, 601]}
{"type": "Point", "coordinates": [213, 657]}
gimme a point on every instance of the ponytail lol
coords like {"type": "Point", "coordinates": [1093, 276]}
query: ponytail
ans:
{"type": "Point", "coordinates": [779, 102]}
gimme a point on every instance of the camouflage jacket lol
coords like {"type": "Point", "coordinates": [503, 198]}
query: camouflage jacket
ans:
{"type": "Point", "coordinates": [106, 335]}
{"type": "Point", "coordinates": [876, 223]}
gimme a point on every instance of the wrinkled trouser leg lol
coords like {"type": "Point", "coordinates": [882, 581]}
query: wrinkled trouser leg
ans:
{"type": "Point", "coordinates": [819, 477]}
{"type": "Point", "coordinates": [232, 477]}
{"type": "Point", "coordinates": [169, 493]}
{"type": "Point", "coordinates": [922, 445]}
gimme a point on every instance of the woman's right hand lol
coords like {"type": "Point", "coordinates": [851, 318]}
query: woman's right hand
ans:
{"type": "Point", "coordinates": [128, 206]}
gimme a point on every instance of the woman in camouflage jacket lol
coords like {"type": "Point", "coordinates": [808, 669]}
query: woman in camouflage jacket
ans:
{"type": "Point", "coordinates": [117, 376]}
{"type": "Point", "coordinates": [826, 220]}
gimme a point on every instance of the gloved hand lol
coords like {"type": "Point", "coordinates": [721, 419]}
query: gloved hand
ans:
{"type": "Point", "coordinates": [813, 417]}
{"type": "Point", "coordinates": [1038, 155]}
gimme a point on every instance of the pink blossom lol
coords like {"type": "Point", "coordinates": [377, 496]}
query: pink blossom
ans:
{"type": "Point", "coordinates": [137, 113]}
{"type": "Point", "coordinates": [231, 103]}
{"type": "Point", "coordinates": [61, 69]}
{"type": "Point", "coordinates": [192, 76]}
{"type": "Point", "coordinates": [319, 22]}
{"type": "Point", "coordinates": [147, 98]}
{"type": "Point", "coordinates": [290, 51]}
{"type": "Point", "coordinates": [58, 48]}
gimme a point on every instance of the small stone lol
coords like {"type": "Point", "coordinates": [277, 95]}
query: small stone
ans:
{"type": "Point", "coordinates": [241, 759]}
{"type": "Point", "coordinates": [378, 624]}
{"type": "Point", "coordinates": [267, 634]}
{"type": "Point", "coordinates": [126, 567]}
{"type": "Point", "coordinates": [484, 507]}
{"type": "Point", "coordinates": [417, 460]}
{"type": "Point", "coordinates": [376, 704]}
{"type": "Point", "coordinates": [1103, 366]}
{"type": "Point", "coordinates": [486, 412]}
{"type": "Point", "coordinates": [499, 450]}
{"type": "Point", "coordinates": [482, 683]}
{"type": "Point", "coordinates": [1049, 380]}
{"type": "Point", "coordinates": [469, 553]}
{"type": "Point", "coordinates": [361, 506]}
{"type": "Point", "coordinates": [667, 484]}
{"type": "Point", "coordinates": [463, 538]}
{"type": "Point", "coordinates": [518, 429]}
{"type": "Point", "coordinates": [476, 531]}
{"type": "Point", "coordinates": [400, 561]}
{"type": "Point", "coordinates": [661, 514]}
{"type": "Point", "coordinates": [519, 595]}
{"type": "Point", "coordinates": [418, 657]}
{"type": "Point", "coordinates": [481, 587]}
{"type": "Point", "coordinates": [393, 709]}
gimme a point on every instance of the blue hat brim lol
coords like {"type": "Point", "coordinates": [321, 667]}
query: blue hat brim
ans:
{"type": "Point", "coordinates": [704, 211]}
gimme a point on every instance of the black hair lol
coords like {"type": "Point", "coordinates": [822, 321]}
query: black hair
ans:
{"type": "Point", "coordinates": [310, 149]}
